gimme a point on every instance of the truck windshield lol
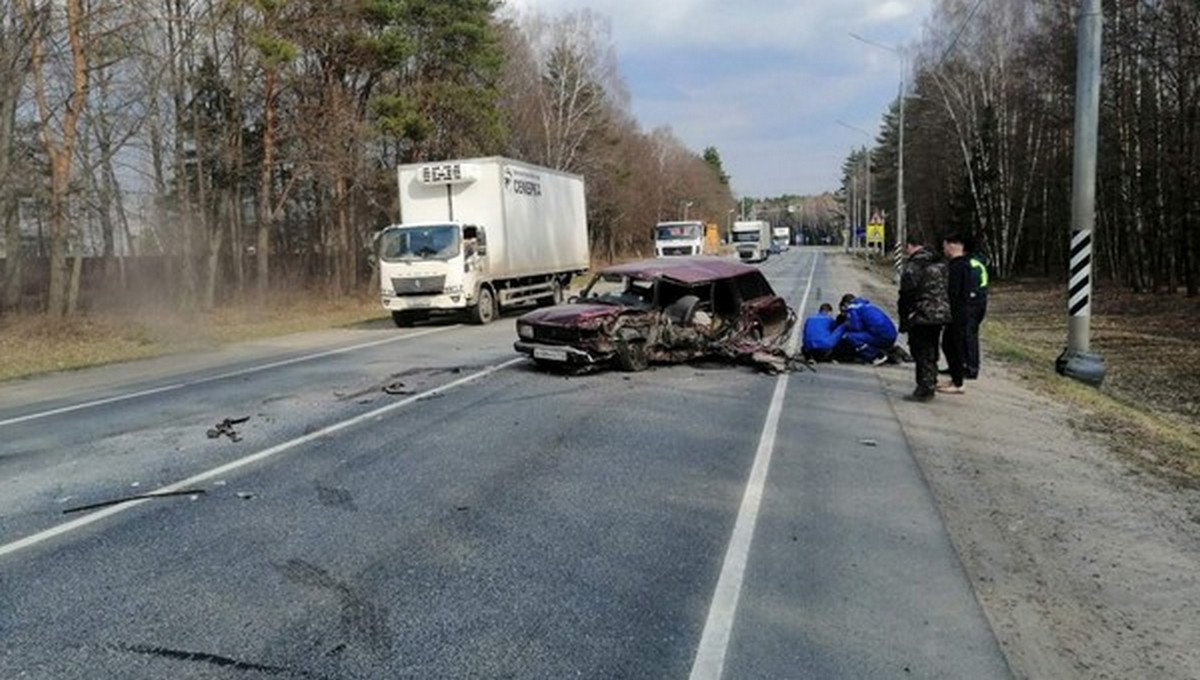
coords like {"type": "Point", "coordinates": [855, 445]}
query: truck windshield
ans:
{"type": "Point", "coordinates": [746, 236]}
{"type": "Point", "coordinates": [679, 232]}
{"type": "Point", "coordinates": [436, 242]}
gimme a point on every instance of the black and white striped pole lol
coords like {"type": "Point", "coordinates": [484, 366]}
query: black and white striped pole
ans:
{"type": "Point", "coordinates": [1077, 360]}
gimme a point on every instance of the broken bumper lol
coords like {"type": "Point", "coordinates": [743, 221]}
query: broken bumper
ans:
{"type": "Point", "coordinates": [562, 354]}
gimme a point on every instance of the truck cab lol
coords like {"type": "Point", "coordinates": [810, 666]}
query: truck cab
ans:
{"type": "Point", "coordinates": [679, 239]}
{"type": "Point", "coordinates": [752, 240]}
{"type": "Point", "coordinates": [783, 238]}
{"type": "Point", "coordinates": [431, 266]}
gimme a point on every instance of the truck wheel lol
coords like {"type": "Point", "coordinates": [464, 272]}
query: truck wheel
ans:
{"type": "Point", "coordinates": [632, 356]}
{"type": "Point", "coordinates": [485, 311]}
{"type": "Point", "coordinates": [554, 298]}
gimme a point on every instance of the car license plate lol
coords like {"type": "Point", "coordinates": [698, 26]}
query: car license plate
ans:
{"type": "Point", "coordinates": [549, 354]}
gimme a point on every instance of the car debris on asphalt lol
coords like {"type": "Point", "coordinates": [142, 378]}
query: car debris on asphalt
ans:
{"type": "Point", "coordinates": [227, 428]}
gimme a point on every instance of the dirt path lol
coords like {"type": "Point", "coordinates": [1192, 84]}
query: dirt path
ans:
{"type": "Point", "coordinates": [1086, 565]}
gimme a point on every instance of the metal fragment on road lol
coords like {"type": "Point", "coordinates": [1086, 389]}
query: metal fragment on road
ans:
{"type": "Point", "coordinates": [868, 442]}
{"type": "Point", "coordinates": [137, 497]}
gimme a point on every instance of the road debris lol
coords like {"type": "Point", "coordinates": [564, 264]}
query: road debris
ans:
{"type": "Point", "coordinates": [245, 495]}
{"type": "Point", "coordinates": [868, 442]}
{"type": "Point", "coordinates": [227, 428]}
{"type": "Point", "coordinates": [397, 389]}
{"type": "Point", "coordinates": [137, 497]}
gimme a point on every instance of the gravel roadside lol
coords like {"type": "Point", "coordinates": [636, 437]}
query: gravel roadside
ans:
{"type": "Point", "coordinates": [1086, 565]}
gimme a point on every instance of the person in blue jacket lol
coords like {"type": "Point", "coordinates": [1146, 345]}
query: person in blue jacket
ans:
{"type": "Point", "coordinates": [869, 330]}
{"type": "Point", "coordinates": [822, 334]}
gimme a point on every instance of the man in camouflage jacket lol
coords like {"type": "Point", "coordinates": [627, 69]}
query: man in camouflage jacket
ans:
{"type": "Point", "coordinates": [924, 312]}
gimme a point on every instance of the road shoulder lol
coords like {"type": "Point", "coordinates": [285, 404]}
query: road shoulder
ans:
{"type": "Point", "coordinates": [1085, 564]}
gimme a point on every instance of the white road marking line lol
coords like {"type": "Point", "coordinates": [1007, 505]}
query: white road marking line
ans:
{"type": "Point", "coordinates": [67, 527]}
{"type": "Point", "coordinates": [213, 378]}
{"type": "Point", "coordinates": [709, 663]}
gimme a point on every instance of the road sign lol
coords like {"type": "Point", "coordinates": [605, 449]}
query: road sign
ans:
{"type": "Point", "coordinates": [875, 233]}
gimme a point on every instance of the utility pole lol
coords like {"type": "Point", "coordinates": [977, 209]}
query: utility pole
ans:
{"type": "Point", "coordinates": [1077, 360]}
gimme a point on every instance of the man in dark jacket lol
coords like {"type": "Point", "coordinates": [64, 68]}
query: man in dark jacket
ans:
{"type": "Point", "coordinates": [954, 338]}
{"type": "Point", "coordinates": [924, 312]}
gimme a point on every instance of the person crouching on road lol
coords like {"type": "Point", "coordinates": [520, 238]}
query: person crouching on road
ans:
{"type": "Point", "coordinates": [822, 333]}
{"type": "Point", "coordinates": [869, 330]}
{"type": "Point", "coordinates": [954, 338]}
{"type": "Point", "coordinates": [924, 311]}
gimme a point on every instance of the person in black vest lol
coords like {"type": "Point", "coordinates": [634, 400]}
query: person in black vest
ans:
{"type": "Point", "coordinates": [924, 308]}
{"type": "Point", "coordinates": [954, 339]}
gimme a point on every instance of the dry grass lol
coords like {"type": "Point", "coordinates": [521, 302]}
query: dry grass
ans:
{"type": "Point", "coordinates": [33, 345]}
{"type": "Point", "coordinates": [1150, 402]}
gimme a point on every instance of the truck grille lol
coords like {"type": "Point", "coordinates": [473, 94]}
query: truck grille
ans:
{"type": "Point", "coordinates": [677, 250]}
{"type": "Point", "coordinates": [419, 285]}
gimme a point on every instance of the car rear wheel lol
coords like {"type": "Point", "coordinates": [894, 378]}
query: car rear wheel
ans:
{"type": "Point", "coordinates": [632, 356]}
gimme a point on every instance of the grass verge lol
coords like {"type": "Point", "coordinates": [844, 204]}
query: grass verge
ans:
{"type": "Point", "coordinates": [32, 345]}
{"type": "Point", "coordinates": [1167, 443]}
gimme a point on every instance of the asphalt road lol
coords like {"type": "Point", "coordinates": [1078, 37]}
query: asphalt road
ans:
{"type": "Point", "coordinates": [491, 522]}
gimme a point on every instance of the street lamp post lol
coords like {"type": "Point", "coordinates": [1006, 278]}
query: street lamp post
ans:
{"type": "Point", "coordinates": [901, 234]}
{"type": "Point", "coordinates": [866, 215]}
{"type": "Point", "coordinates": [686, 205]}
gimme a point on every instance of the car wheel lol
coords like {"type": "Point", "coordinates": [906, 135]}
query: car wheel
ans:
{"type": "Point", "coordinates": [484, 312]}
{"type": "Point", "coordinates": [632, 356]}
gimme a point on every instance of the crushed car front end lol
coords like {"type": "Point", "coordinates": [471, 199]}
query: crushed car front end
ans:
{"type": "Point", "coordinates": [571, 335]}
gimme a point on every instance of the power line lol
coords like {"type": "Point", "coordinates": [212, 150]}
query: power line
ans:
{"type": "Point", "coordinates": [958, 35]}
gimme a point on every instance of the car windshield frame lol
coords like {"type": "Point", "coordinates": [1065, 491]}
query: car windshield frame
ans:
{"type": "Point", "coordinates": [435, 248]}
{"type": "Point", "coordinates": [624, 296]}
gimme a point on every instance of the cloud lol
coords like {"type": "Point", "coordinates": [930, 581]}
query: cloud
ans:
{"type": "Point", "coordinates": [762, 80]}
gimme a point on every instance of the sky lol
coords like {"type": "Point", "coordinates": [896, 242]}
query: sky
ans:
{"type": "Point", "coordinates": [764, 81]}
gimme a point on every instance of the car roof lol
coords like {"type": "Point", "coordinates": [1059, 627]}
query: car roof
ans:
{"type": "Point", "coordinates": [689, 270]}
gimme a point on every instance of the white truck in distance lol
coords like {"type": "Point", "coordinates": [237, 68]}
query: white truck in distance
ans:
{"type": "Point", "coordinates": [783, 238]}
{"type": "Point", "coordinates": [752, 240]}
{"type": "Point", "coordinates": [479, 234]}
{"type": "Point", "coordinates": [672, 239]}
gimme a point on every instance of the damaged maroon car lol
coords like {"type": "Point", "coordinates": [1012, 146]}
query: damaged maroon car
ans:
{"type": "Point", "coordinates": [663, 311]}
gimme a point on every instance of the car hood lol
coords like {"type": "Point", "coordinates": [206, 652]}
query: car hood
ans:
{"type": "Point", "coordinates": [574, 314]}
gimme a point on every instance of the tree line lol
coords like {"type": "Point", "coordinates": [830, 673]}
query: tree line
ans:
{"type": "Point", "coordinates": [227, 148]}
{"type": "Point", "coordinates": [988, 139]}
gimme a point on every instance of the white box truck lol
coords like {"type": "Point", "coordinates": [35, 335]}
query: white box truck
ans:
{"type": "Point", "coordinates": [479, 234]}
{"type": "Point", "coordinates": [752, 240]}
{"type": "Point", "coordinates": [675, 239]}
{"type": "Point", "coordinates": [783, 238]}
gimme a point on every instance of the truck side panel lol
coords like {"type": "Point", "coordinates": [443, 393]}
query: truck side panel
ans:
{"type": "Point", "coordinates": [546, 218]}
